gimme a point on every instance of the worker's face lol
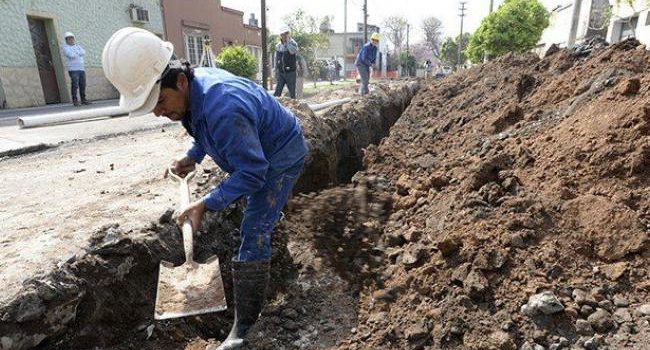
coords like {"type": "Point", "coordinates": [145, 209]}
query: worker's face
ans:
{"type": "Point", "coordinates": [375, 42]}
{"type": "Point", "coordinates": [284, 36]}
{"type": "Point", "coordinates": [69, 40]}
{"type": "Point", "coordinates": [173, 103]}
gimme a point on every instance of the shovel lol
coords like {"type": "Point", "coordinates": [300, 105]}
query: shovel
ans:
{"type": "Point", "coordinates": [191, 288]}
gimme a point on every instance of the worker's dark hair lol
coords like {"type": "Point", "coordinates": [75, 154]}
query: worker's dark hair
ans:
{"type": "Point", "coordinates": [175, 67]}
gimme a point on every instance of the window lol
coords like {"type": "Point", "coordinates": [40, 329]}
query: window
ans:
{"type": "Point", "coordinates": [628, 27]}
{"type": "Point", "coordinates": [194, 45]}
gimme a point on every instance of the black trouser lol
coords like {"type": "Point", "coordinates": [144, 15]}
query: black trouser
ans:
{"type": "Point", "coordinates": [78, 78]}
{"type": "Point", "coordinates": [288, 78]}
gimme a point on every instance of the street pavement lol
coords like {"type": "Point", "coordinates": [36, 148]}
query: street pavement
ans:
{"type": "Point", "coordinates": [17, 141]}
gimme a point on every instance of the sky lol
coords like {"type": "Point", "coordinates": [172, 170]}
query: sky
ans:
{"type": "Point", "coordinates": [413, 10]}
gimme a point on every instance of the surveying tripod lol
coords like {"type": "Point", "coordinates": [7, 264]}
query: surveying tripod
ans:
{"type": "Point", "coordinates": [207, 57]}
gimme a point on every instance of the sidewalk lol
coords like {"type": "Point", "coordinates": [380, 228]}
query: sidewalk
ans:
{"type": "Point", "coordinates": [9, 116]}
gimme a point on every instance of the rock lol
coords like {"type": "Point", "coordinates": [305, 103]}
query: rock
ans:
{"type": "Point", "coordinates": [166, 218]}
{"type": "Point", "coordinates": [417, 332]}
{"type": "Point", "coordinates": [581, 298]}
{"type": "Point", "coordinates": [502, 341]}
{"type": "Point", "coordinates": [412, 256]}
{"type": "Point", "coordinates": [461, 272]}
{"type": "Point", "coordinates": [614, 271]}
{"type": "Point", "coordinates": [586, 310]}
{"type": "Point", "coordinates": [492, 260]}
{"type": "Point", "coordinates": [517, 240]}
{"type": "Point", "coordinates": [607, 305]}
{"type": "Point", "coordinates": [621, 301]}
{"type": "Point", "coordinates": [629, 87]}
{"type": "Point", "coordinates": [449, 246]}
{"type": "Point", "coordinates": [601, 320]}
{"type": "Point", "coordinates": [545, 303]}
{"type": "Point", "coordinates": [476, 285]}
{"type": "Point", "coordinates": [426, 161]}
{"type": "Point", "coordinates": [412, 234]}
{"type": "Point", "coordinates": [644, 310]}
{"type": "Point", "coordinates": [291, 326]}
{"type": "Point", "coordinates": [583, 327]}
{"type": "Point", "coordinates": [290, 313]}
{"type": "Point", "coordinates": [622, 315]}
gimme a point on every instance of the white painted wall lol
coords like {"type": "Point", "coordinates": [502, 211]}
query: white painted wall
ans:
{"type": "Point", "coordinates": [622, 14]}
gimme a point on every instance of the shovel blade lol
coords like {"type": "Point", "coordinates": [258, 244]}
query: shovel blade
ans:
{"type": "Point", "coordinates": [189, 289]}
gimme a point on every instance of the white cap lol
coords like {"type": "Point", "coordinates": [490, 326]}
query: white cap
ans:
{"type": "Point", "coordinates": [284, 29]}
{"type": "Point", "coordinates": [134, 60]}
{"type": "Point", "coordinates": [67, 35]}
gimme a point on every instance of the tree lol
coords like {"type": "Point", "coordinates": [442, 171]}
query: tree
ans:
{"type": "Point", "coordinates": [516, 26]}
{"type": "Point", "coordinates": [449, 50]}
{"type": "Point", "coordinates": [408, 63]}
{"type": "Point", "coordinates": [395, 29]}
{"type": "Point", "coordinates": [238, 61]}
{"type": "Point", "coordinates": [421, 52]}
{"type": "Point", "coordinates": [432, 28]}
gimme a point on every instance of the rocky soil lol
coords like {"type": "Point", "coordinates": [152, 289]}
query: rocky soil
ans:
{"type": "Point", "coordinates": [519, 206]}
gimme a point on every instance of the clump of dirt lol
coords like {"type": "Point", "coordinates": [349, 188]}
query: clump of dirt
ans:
{"type": "Point", "coordinates": [519, 210]}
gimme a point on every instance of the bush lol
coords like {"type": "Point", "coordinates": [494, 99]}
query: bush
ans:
{"type": "Point", "coordinates": [237, 60]}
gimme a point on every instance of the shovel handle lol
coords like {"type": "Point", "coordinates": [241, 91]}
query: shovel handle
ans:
{"type": "Point", "coordinates": [188, 243]}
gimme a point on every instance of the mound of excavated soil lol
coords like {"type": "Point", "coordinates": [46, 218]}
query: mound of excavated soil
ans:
{"type": "Point", "coordinates": [519, 211]}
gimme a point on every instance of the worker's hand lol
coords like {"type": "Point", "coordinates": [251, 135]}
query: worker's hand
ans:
{"type": "Point", "coordinates": [193, 212]}
{"type": "Point", "coordinates": [182, 166]}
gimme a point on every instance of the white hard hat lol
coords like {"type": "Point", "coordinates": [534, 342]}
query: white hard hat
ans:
{"type": "Point", "coordinates": [133, 61]}
{"type": "Point", "coordinates": [284, 29]}
{"type": "Point", "coordinates": [68, 35]}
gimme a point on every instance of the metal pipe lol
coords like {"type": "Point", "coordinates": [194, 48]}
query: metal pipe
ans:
{"type": "Point", "coordinates": [62, 117]}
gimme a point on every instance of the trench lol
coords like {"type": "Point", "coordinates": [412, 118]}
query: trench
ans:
{"type": "Point", "coordinates": [104, 298]}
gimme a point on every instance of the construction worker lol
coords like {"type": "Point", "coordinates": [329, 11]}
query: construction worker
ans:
{"type": "Point", "coordinates": [240, 126]}
{"type": "Point", "coordinates": [285, 64]}
{"type": "Point", "coordinates": [366, 59]}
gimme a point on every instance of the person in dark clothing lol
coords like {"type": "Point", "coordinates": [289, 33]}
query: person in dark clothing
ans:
{"type": "Point", "coordinates": [285, 64]}
{"type": "Point", "coordinates": [366, 59]}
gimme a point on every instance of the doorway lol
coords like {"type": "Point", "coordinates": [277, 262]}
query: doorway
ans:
{"type": "Point", "coordinates": [44, 60]}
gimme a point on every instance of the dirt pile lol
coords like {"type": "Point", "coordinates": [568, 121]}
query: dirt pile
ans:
{"type": "Point", "coordinates": [105, 297]}
{"type": "Point", "coordinates": [519, 210]}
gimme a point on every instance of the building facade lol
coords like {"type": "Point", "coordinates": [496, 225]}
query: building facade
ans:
{"type": "Point", "coordinates": [188, 26]}
{"type": "Point", "coordinates": [32, 67]}
{"type": "Point", "coordinates": [573, 22]}
{"type": "Point", "coordinates": [630, 22]}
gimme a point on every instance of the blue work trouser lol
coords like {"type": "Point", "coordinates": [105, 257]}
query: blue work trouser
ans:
{"type": "Point", "coordinates": [78, 84]}
{"type": "Point", "coordinates": [364, 75]}
{"type": "Point", "coordinates": [288, 78]}
{"type": "Point", "coordinates": [262, 212]}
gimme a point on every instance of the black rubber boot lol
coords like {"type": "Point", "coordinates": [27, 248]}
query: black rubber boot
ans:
{"type": "Point", "coordinates": [250, 280]}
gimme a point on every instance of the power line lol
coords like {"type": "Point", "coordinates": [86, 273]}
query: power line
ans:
{"type": "Point", "coordinates": [462, 15]}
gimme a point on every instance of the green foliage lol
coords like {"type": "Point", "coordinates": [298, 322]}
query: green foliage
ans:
{"type": "Point", "coordinates": [238, 61]}
{"type": "Point", "coordinates": [515, 27]}
{"type": "Point", "coordinates": [449, 50]}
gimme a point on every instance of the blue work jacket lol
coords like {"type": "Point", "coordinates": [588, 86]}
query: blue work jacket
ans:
{"type": "Point", "coordinates": [367, 55]}
{"type": "Point", "coordinates": [245, 130]}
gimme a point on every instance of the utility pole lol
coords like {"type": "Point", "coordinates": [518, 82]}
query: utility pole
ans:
{"type": "Point", "coordinates": [485, 55]}
{"type": "Point", "coordinates": [408, 54]}
{"type": "Point", "coordinates": [365, 21]}
{"type": "Point", "coordinates": [265, 49]}
{"type": "Point", "coordinates": [575, 18]}
{"type": "Point", "coordinates": [460, 39]}
{"type": "Point", "coordinates": [345, 39]}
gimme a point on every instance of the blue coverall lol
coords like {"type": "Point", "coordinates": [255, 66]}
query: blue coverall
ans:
{"type": "Point", "coordinates": [253, 138]}
{"type": "Point", "coordinates": [366, 58]}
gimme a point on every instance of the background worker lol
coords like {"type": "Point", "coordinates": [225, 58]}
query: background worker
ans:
{"type": "Point", "coordinates": [74, 55]}
{"type": "Point", "coordinates": [240, 126]}
{"type": "Point", "coordinates": [285, 64]}
{"type": "Point", "coordinates": [366, 59]}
